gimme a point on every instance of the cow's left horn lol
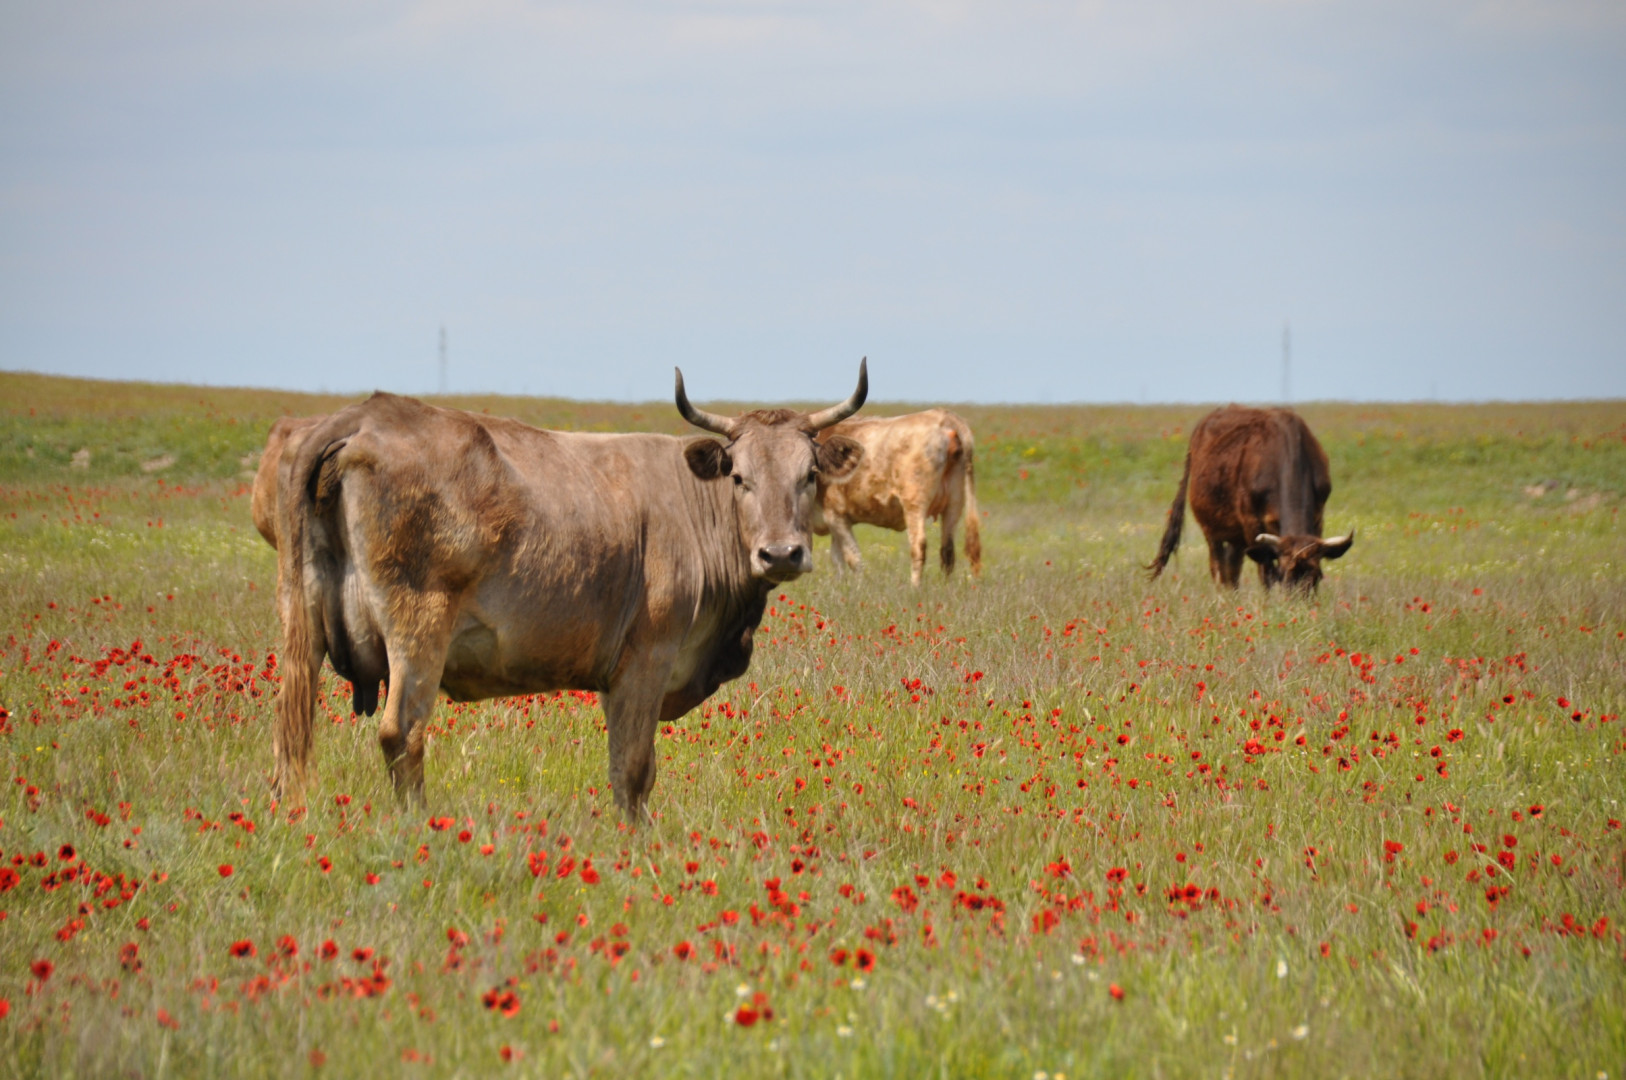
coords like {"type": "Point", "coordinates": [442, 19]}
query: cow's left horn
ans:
{"type": "Point", "coordinates": [1269, 540]}
{"type": "Point", "coordinates": [1333, 548]}
{"type": "Point", "coordinates": [722, 425]}
{"type": "Point", "coordinates": [835, 414]}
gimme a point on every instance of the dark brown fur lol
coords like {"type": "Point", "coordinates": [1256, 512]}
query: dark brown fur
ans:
{"type": "Point", "coordinates": [1258, 482]}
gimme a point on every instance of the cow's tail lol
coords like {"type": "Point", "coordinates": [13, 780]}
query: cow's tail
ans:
{"type": "Point", "coordinates": [973, 519]}
{"type": "Point", "coordinates": [1177, 520]}
{"type": "Point", "coordinates": [301, 483]}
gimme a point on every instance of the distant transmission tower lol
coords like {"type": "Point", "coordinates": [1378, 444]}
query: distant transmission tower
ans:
{"type": "Point", "coordinates": [442, 359]}
{"type": "Point", "coordinates": [1287, 363]}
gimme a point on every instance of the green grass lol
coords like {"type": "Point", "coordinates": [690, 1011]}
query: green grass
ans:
{"type": "Point", "coordinates": [1488, 567]}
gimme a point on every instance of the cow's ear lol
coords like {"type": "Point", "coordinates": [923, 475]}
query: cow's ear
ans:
{"type": "Point", "coordinates": [708, 459]}
{"type": "Point", "coordinates": [839, 456]}
{"type": "Point", "coordinates": [1263, 554]}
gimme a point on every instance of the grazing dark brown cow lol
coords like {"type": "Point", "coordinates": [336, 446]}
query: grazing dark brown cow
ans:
{"type": "Point", "coordinates": [915, 467]}
{"type": "Point", "coordinates": [1258, 481]}
{"type": "Point", "coordinates": [436, 550]}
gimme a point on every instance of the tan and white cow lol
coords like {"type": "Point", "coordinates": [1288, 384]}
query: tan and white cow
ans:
{"type": "Point", "coordinates": [915, 468]}
{"type": "Point", "coordinates": [435, 550]}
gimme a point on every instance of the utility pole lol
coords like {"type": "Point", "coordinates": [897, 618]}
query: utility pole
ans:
{"type": "Point", "coordinates": [1287, 363]}
{"type": "Point", "coordinates": [443, 359]}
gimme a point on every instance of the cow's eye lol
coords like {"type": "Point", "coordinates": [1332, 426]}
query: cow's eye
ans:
{"type": "Point", "coordinates": [812, 476]}
{"type": "Point", "coordinates": [739, 481]}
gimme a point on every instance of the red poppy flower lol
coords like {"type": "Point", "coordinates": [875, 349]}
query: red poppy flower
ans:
{"type": "Point", "coordinates": [243, 948]}
{"type": "Point", "coordinates": [683, 950]}
{"type": "Point", "coordinates": [327, 950]}
{"type": "Point", "coordinates": [866, 961]}
{"type": "Point", "coordinates": [65, 853]}
{"type": "Point", "coordinates": [746, 1016]}
{"type": "Point", "coordinates": [1116, 991]}
{"type": "Point", "coordinates": [361, 955]}
{"type": "Point", "coordinates": [226, 869]}
{"type": "Point", "coordinates": [42, 969]}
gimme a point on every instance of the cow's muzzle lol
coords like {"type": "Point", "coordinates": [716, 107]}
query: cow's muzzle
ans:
{"type": "Point", "coordinates": [782, 562]}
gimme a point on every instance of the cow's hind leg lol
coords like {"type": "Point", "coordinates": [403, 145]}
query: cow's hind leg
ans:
{"type": "Point", "coordinates": [416, 662]}
{"type": "Point", "coordinates": [953, 507]}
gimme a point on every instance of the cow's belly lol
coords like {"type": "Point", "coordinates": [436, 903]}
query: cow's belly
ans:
{"type": "Point", "coordinates": [487, 661]}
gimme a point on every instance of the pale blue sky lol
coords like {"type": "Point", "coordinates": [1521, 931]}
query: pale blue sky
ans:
{"type": "Point", "coordinates": [994, 201]}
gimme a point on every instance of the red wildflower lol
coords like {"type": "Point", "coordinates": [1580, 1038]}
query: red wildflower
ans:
{"type": "Point", "coordinates": [1509, 840]}
{"type": "Point", "coordinates": [865, 960]}
{"type": "Point", "coordinates": [42, 969]}
{"type": "Point", "coordinates": [683, 950]}
{"type": "Point", "coordinates": [589, 875]}
{"type": "Point", "coordinates": [746, 1016]}
{"type": "Point", "coordinates": [507, 1053]}
{"type": "Point", "coordinates": [361, 955]}
{"type": "Point", "coordinates": [1116, 991]}
{"type": "Point", "coordinates": [5, 1008]}
{"type": "Point", "coordinates": [226, 869]}
{"type": "Point", "coordinates": [465, 836]}
{"type": "Point", "coordinates": [65, 853]}
{"type": "Point", "coordinates": [243, 948]}
{"type": "Point", "coordinates": [327, 950]}
{"type": "Point", "coordinates": [317, 1059]}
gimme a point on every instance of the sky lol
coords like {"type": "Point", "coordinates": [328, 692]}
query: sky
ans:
{"type": "Point", "coordinates": [994, 202]}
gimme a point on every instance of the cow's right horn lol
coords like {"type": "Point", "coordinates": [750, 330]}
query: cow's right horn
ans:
{"type": "Point", "coordinates": [1269, 540]}
{"type": "Point", "coordinates": [835, 414]}
{"type": "Point", "coordinates": [722, 425]}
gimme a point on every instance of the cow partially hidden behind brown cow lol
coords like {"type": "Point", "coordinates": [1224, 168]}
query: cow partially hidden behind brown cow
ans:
{"type": "Point", "coordinates": [915, 468]}
{"type": "Point", "coordinates": [436, 550]}
{"type": "Point", "coordinates": [1258, 481]}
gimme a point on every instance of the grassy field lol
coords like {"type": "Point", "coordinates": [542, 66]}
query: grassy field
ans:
{"type": "Point", "coordinates": [1056, 822]}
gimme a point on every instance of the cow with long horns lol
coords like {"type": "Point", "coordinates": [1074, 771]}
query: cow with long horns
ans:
{"type": "Point", "coordinates": [433, 550]}
{"type": "Point", "coordinates": [1258, 481]}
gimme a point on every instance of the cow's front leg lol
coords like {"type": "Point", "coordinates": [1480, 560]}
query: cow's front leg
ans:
{"type": "Point", "coordinates": [631, 713]}
{"type": "Point", "coordinates": [843, 547]}
{"type": "Point", "coordinates": [915, 522]}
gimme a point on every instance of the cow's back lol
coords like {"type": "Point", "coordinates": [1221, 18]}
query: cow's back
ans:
{"type": "Point", "coordinates": [1256, 470]}
{"type": "Point", "coordinates": [906, 461]}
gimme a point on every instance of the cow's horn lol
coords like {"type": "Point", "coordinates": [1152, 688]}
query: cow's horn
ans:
{"type": "Point", "coordinates": [1269, 540]}
{"type": "Point", "coordinates": [1337, 545]}
{"type": "Point", "coordinates": [722, 425]}
{"type": "Point", "coordinates": [835, 414]}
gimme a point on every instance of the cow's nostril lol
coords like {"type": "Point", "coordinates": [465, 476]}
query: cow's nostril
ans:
{"type": "Point", "coordinates": [779, 554]}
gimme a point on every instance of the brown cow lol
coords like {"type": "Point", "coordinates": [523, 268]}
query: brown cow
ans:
{"type": "Point", "coordinates": [1258, 481]}
{"type": "Point", "coordinates": [915, 467]}
{"type": "Point", "coordinates": [434, 549]}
